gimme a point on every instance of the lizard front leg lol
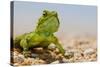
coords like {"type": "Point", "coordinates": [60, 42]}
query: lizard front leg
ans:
{"type": "Point", "coordinates": [25, 47]}
{"type": "Point", "coordinates": [59, 47]}
{"type": "Point", "coordinates": [54, 40]}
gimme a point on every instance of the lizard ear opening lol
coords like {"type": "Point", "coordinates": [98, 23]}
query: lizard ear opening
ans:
{"type": "Point", "coordinates": [54, 13]}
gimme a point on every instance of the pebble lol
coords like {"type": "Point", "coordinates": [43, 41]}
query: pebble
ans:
{"type": "Point", "coordinates": [34, 55]}
{"type": "Point", "coordinates": [38, 61]}
{"type": "Point", "coordinates": [88, 51]}
{"type": "Point", "coordinates": [64, 60]}
{"type": "Point", "coordinates": [22, 56]}
{"type": "Point", "coordinates": [78, 54]}
{"type": "Point", "coordinates": [41, 61]}
{"type": "Point", "coordinates": [52, 46]}
{"type": "Point", "coordinates": [56, 51]}
{"type": "Point", "coordinates": [93, 55]}
{"type": "Point", "coordinates": [15, 53]}
{"type": "Point", "coordinates": [38, 50]}
{"type": "Point", "coordinates": [18, 59]}
{"type": "Point", "coordinates": [55, 62]}
{"type": "Point", "coordinates": [69, 54]}
{"type": "Point", "coordinates": [28, 61]}
{"type": "Point", "coordinates": [16, 64]}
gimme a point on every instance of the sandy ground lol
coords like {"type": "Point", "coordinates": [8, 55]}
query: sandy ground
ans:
{"type": "Point", "coordinates": [77, 49]}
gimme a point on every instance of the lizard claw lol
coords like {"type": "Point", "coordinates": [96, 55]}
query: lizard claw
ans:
{"type": "Point", "coordinates": [26, 54]}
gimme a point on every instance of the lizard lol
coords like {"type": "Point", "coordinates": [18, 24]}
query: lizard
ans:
{"type": "Point", "coordinates": [43, 35]}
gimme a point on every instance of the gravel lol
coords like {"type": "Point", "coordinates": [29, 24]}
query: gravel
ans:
{"type": "Point", "coordinates": [85, 51]}
{"type": "Point", "coordinates": [18, 59]}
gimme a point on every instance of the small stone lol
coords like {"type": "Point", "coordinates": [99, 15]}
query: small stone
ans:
{"type": "Point", "coordinates": [69, 54]}
{"type": "Point", "coordinates": [55, 62]}
{"type": "Point", "coordinates": [28, 61]}
{"type": "Point", "coordinates": [64, 60]}
{"type": "Point", "coordinates": [71, 60]}
{"type": "Point", "coordinates": [41, 61]}
{"type": "Point", "coordinates": [94, 56]}
{"type": "Point", "coordinates": [38, 61]}
{"type": "Point", "coordinates": [18, 59]}
{"type": "Point", "coordinates": [52, 46]}
{"type": "Point", "coordinates": [16, 64]}
{"type": "Point", "coordinates": [60, 56]}
{"type": "Point", "coordinates": [15, 54]}
{"type": "Point", "coordinates": [38, 50]}
{"type": "Point", "coordinates": [22, 56]}
{"type": "Point", "coordinates": [34, 55]}
{"type": "Point", "coordinates": [53, 55]}
{"type": "Point", "coordinates": [56, 51]}
{"type": "Point", "coordinates": [17, 50]}
{"type": "Point", "coordinates": [78, 54]}
{"type": "Point", "coordinates": [89, 51]}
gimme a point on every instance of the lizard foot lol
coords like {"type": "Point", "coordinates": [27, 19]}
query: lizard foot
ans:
{"type": "Point", "coordinates": [27, 54]}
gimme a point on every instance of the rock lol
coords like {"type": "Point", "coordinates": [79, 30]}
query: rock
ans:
{"type": "Point", "coordinates": [55, 62]}
{"type": "Point", "coordinates": [89, 51]}
{"type": "Point", "coordinates": [38, 50]}
{"type": "Point", "coordinates": [69, 54]}
{"type": "Point", "coordinates": [53, 55]}
{"type": "Point", "coordinates": [71, 60]}
{"type": "Point", "coordinates": [38, 61]}
{"type": "Point", "coordinates": [16, 64]}
{"type": "Point", "coordinates": [28, 61]}
{"type": "Point", "coordinates": [34, 55]}
{"type": "Point", "coordinates": [15, 54]}
{"type": "Point", "coordinates": [78, 54]}
{"type": "Point", "coordinates": [94, 55]}
{"type": "Point", "coordinates": [56, 51]}
{"type": "Point", "coordinates": [52, 46]}
{"type": "Point", "coordinates": [20, 55]}
{"type": "Point", "coordinates": [59, 57]}
{"type": "Point", "coordinates": [41, 61]}
{"type": "Point", "coordinates": [18, 59]}
{"type": "Point", "coordinates": [64, 60]}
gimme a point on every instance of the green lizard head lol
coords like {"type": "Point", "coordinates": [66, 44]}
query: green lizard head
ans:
{"type": "Point", "coordinates": [48, 22]}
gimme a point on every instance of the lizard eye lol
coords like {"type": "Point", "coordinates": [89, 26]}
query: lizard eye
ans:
{"type": "Point", "coordinates": [44, 13]}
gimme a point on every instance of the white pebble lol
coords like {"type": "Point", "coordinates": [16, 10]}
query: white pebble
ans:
{"type": "Point", "coordinates": [69, 54]}
{"type": "Point", "coordinates": [52, 46]}
{"type": "Point", "coordinates": [18, 59]}
{"type": "Point", "coordinates": [15, 54]}
{"type": "Point", "coordinates": [55, 62]}
{"type": "Point", "coordinates": [16, 64]}
{"type": "Point", "coordinates": [89, 51]}
{"type": "Point", "coordinates": [77, 54]}
{"type": "Point", "coordinates": [22, 56]}
{"type": "Point", "coordinates": [65, 60]}
{"type": "Point", "coordinates": [34, 55]}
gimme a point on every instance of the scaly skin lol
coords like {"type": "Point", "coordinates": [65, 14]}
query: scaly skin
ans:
{"type": "Point", "coordinates": [43, 35]}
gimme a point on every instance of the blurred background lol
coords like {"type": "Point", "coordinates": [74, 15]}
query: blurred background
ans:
{"type": "Point", "coordinates": [74, 19]}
